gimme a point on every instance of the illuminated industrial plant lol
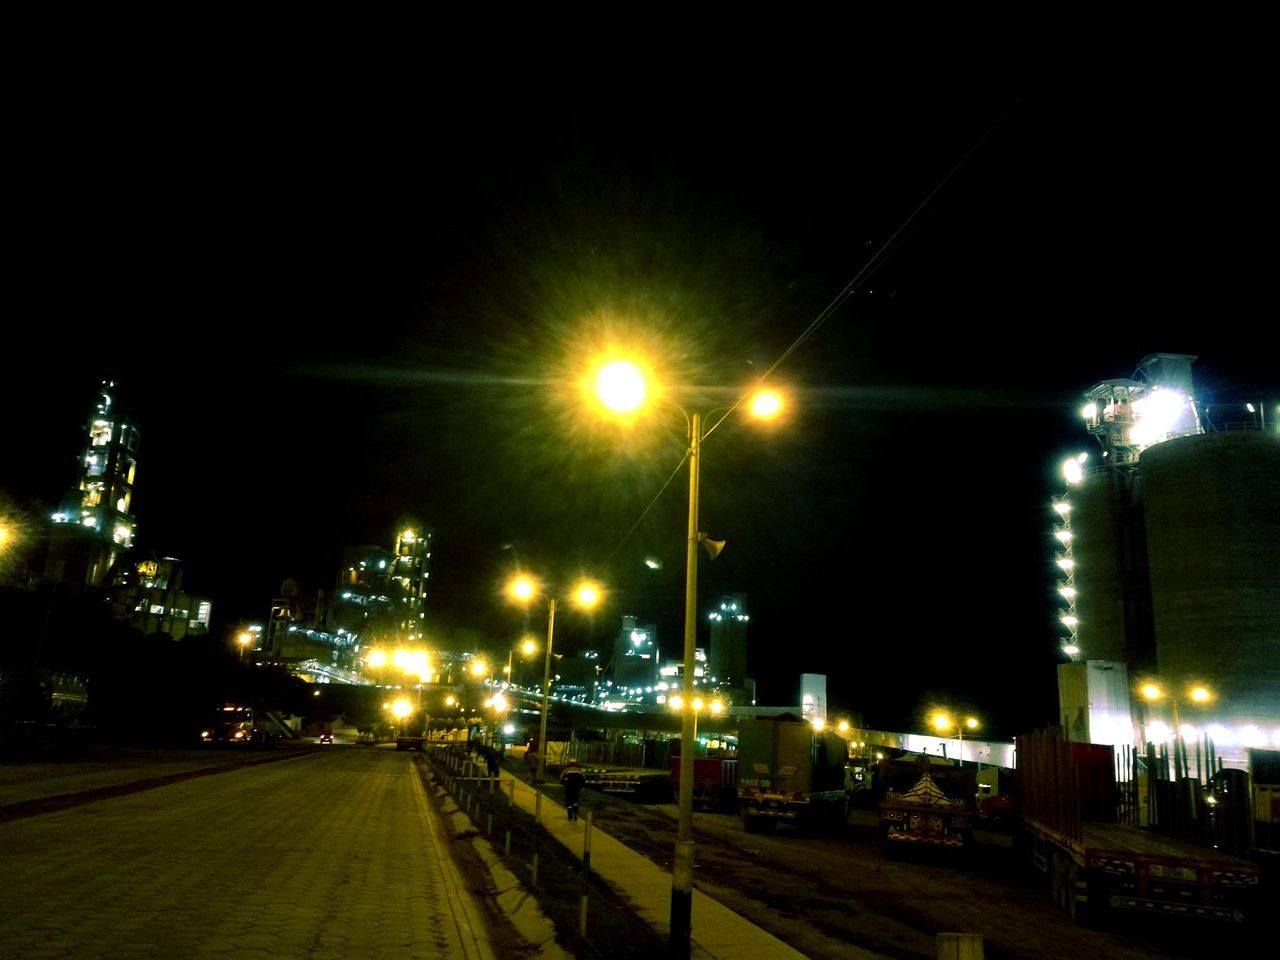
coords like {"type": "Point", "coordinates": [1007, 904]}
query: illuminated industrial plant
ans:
{"type": "Point", "coordinates": [1168, 545]}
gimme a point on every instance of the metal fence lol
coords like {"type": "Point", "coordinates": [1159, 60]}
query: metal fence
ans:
{"type": "Point", "coordinates": [588, 916]}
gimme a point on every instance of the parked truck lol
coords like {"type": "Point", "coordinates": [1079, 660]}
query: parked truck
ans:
{"type": "Point", "coordinates": [1065, 799]}
{"type": "Point", "coordinates": [789, 772]}
{"type": "Point", "coordinates": [715, 781]}
{"type": "Point", "coordinates": [925, 802]}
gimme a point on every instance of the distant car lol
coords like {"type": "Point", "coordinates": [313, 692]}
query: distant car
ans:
{"type": "Point", "coordinates": [326, 736]}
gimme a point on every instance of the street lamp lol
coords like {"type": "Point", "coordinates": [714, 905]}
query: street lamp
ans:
{"type": "Point", "coordinates": [621, 387]}
{"type": "Point", "coordinates": [527, 648]}
{"type": "Point", "coordinates": [943, 721]}
{"type": "Point", "coordinates": [693, 708]}
{"type": "Point", "coordinates": [1198, 694]}
{"type": "Point", "coordinates": [244, 639]}
{"type": "Point", "coordinates": [523, 589]}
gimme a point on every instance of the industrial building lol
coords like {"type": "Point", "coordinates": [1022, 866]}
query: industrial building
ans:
{"type": "Point", "coordinates": [94, 523]}
{"type": "Point", "coordinates": [1168, 547]}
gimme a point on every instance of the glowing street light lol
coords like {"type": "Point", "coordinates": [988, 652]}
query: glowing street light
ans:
{"type": "Point", "coordinates": [524, 589]}
{"type": "Point", "coordinates": [943, 721]}
{"type": "Point", "coordinates": [1198, 694]}
{"type": "Point", "coordinates": [692, 709]}
{"type": "Point", "coordinates": [244, 638]}
{"type": "Point", "coordinates": [527, 649]}
{"type": "Point", "coordinates": [621, 388]}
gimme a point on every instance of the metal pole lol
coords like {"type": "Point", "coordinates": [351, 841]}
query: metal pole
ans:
{"type": "Point", "coordinates": [511, 814]}
{"type": "Point", "coordinates": [586, 873]}
{"type": "Point", "coordinates": [546, 688]}
{"type": "Point", "coordinates": [680, 942]}
{"type": "Point", "coordinates": [542, 738]}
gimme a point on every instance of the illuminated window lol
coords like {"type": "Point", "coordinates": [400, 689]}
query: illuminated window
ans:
{"type": "Point", "coordinates": [100, 433]}
{"type": "Point", "coordinates": [202, 612]}
{"type": "Point", "coordinates": [157, 608]}
{"type": "Point", "coordinates": [92, 495]}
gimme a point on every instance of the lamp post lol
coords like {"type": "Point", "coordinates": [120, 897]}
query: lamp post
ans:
{"type": "Point", "coordinates": [524, 589]}
{"type": "Point", "coordinates": [942, 722]}
{"type": "Point", "coordinates": [1198, 694]}
{"type": "Point", "coordinates": [527, 649]}
{"type": "Point", "coordinates": [621, 388]}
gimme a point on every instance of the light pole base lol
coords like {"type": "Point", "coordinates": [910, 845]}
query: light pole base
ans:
{"type": "Point", "coordinates": [681, 938]}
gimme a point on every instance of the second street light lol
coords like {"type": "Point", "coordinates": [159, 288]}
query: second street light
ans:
{"type": "Point", "coordinates": [620, 386]}
{"type": "Point", "coordinates": [523, 589]}
{"type": "Point", "coordinates": [943, 721]}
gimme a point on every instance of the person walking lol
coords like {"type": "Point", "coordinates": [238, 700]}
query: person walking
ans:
{"type": "Point", "coordinates": [491, 758]}
{"type": "Point", "coordinates": [573, 780]}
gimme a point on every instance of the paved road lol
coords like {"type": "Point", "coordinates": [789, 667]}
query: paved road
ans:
{"type": "Point", "coordinates": [330, 854]}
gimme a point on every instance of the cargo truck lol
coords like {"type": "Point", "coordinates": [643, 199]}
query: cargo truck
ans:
{"type": "Point", "coordinates": [714, 781]}
{"type": "Point", "coordinates": [789, 772]}
{"type": "Point", "coordinates": [925, 802]}
{"type": "Point", "coordinates": [1065, 799]}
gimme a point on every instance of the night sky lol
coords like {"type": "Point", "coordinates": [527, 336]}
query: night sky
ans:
{"type": "Point", "coordinates": [328, 310]}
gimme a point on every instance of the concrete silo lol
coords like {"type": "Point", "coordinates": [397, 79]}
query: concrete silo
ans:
{"type": "Point", "coordinates": [1211, 504]}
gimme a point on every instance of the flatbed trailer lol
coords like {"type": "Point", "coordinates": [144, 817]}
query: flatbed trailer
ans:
{"type": "Point", "coordinates": [1128, 868]}
{"type": "Point", "coordinates": [639, 783]}
{"type": "Point", "coordinates": [1094, 865]}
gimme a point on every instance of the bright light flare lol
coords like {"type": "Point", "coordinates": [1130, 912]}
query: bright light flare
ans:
{"type": "Point", "coordinates": [478, 668]}
{"type": "Point", "coordinates": [941, 721]}
{"type": "Point", "coordinates": [522, 588]}
{"type": "Point", "coordinates": [401, 708]}
{"type": "Point", "coordinates": [716, 707]}
{"type": "Point", "coordinates": [587, 595]}
{"type": "Point", "coordinates": [675, 702]}
{"type": "Point", "coordinates": [766, 404]}
{"type": "Point", "coordinates": [1201, 694]}
{"type": "Point", "coordinates": [1157, 414]}
{"type": "Point", "coordinates": [620, 386]}
{"type": "Point", "coordinates": [528, 648]}
{"type": "Point", "coordinates": [377, 658]}
{"type": "Point", "coordinates": [1073, 469]}
{"type": "Point", "coordinates": [1151, 691]}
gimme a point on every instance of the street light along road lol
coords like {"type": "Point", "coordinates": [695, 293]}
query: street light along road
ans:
{"type": "Point", "coordinates": [621, 387]}
{"type": "Point", "coordinates": [943, 721]}
{"type": "Point", "coordinates": [524, 589]}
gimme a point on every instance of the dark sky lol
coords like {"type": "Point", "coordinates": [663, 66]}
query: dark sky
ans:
{"type": "Point", "coordinates": [330, 307]}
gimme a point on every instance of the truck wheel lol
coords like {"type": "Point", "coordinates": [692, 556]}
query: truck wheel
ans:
{"type": "Point", "coordinates": [1071, 876]}
{"type": "Point", "coordinates": [1058, 881]}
